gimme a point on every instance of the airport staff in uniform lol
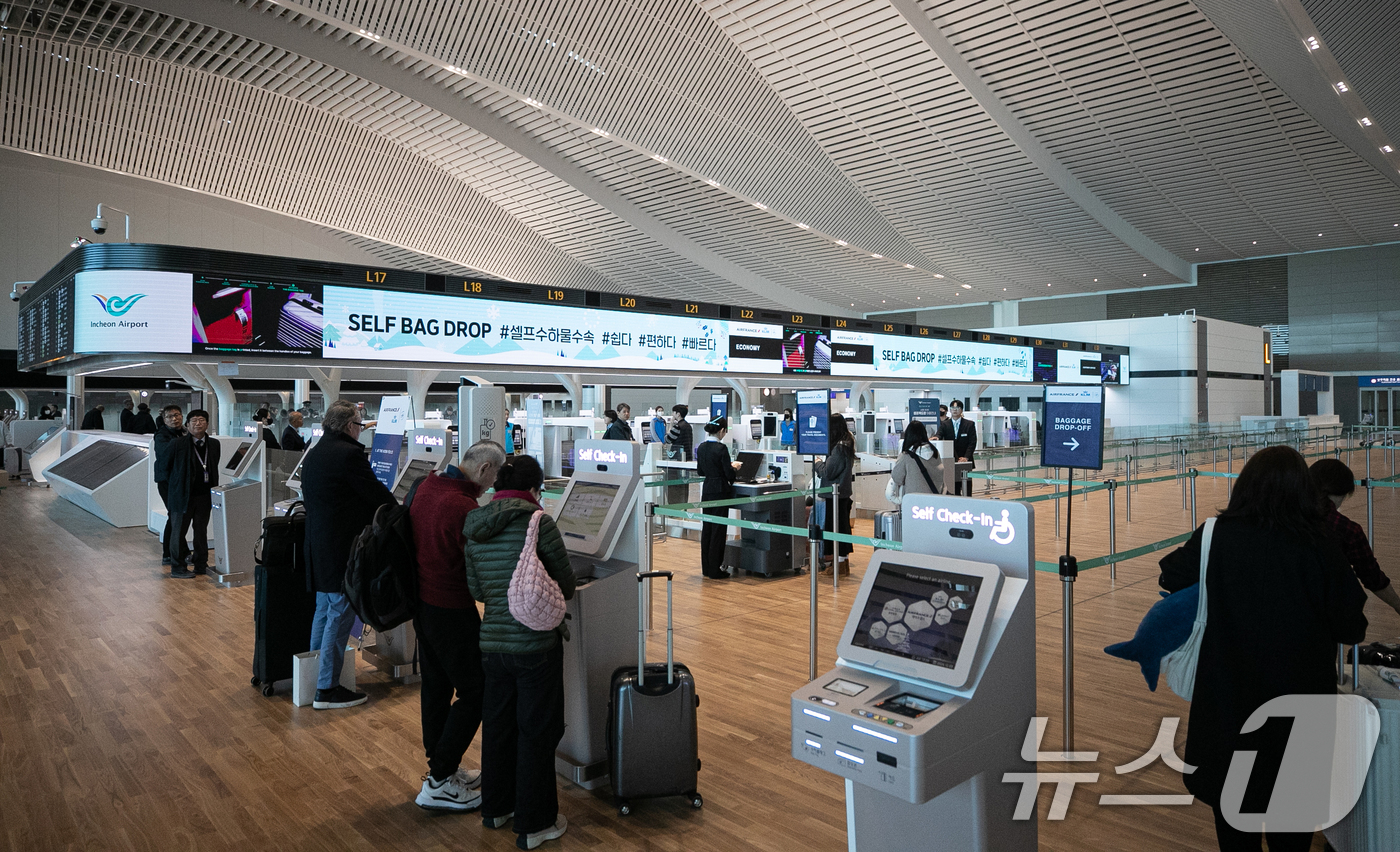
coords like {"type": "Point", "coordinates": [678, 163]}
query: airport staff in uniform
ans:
{"type": "Point", "coordinates": [712, 462]}
{"type": "Point", "coordinates": [172, 426]}
{"type": "Point", "coordinates": [291, 438]}
{"type": "Point", "coordinates": [963, 433]}
{"type": "Point", "coordinates": [341, 495]}
{"type": "Point", "coordinates": [194, 471]}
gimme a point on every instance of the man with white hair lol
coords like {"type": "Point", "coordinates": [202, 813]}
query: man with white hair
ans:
{"type": "Point", "coordinates": [448, 625]}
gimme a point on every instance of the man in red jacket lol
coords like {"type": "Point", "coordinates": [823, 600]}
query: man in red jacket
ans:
{"type": "Point", "coordinates": [449, 627]}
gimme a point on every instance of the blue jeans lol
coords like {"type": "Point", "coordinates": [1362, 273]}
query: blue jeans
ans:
{"type": "Point", "coordinates": [330, 630]}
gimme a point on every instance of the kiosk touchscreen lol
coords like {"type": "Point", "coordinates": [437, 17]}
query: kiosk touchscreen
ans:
{"type": "Point", "coordinates": [410, 473]}
{"type": "Point", "coordinates": [236, 457]}
{"type": "Point", "coordinates": [934, 685]}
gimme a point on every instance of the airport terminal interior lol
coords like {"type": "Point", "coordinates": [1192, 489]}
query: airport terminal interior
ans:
{"type": "Point", "coordinates": [987, 304]}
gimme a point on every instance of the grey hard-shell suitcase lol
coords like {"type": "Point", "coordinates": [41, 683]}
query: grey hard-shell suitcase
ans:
{"type": "Point", "coordinates": [887, 525]}
{"type": "Point", "coordinates": [653, 748]}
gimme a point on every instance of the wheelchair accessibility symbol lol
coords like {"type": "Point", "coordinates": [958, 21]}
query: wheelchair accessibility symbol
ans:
{"type": "Point", "coordinates": [1002, 531]}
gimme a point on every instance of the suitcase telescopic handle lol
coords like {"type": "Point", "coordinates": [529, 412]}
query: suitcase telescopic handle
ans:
{"type": "Point", "coordinates": [642, 630]}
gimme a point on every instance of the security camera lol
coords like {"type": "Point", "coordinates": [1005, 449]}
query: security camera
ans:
{"type": "Point", "coordinates": [14, 296]}
{"type": "Point", "coordinates": [17, 289]}
{"type": "Point", "coordinates": [99, 225]}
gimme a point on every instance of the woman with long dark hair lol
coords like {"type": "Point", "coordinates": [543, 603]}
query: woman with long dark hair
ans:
{"type": "Point", "coordinates": [1280, 597]}
{"type": "Point", "coordinates": [918, 470]}
{"type": "Point", "coordinates": [837, 472]}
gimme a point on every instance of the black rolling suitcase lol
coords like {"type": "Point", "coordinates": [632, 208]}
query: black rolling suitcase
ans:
{"type": "Point", "coordinates": [653, 749]}
{"type": "Point", "coordinates": [283, 608]}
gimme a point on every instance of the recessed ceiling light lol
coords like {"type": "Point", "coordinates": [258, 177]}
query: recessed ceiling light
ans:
{"type": "Point", "coordinates": [455, 70]}
{"type": "Point", "coordinates": [369, 35]}
{"type": "Point", "coordinates": [853, 304]}
{"type": "Point", "coordinates": [1003, 289]}
{"type": "Point", "coordinates": [1256, 242]}
{"type": "Point", "coordinates": [712, 183]}
{"type": "Point", "coordinates": [966, 286]}
{"type": "Point", "coordinates": [1197, 249]}
{"type": "Point", "coordinates": [1387, 148]}
{"type": "Point", "coordinates": [660, 159]}
{"type": "Point", "coordinates": [1319, 233]}
{"type": "Point", "coordinates": [532, 102]}
{"type": "Point", "coordinates": [1096, 279]}
{"type": "Point", "coordinates": [601, 132]}
{"type": "Point", "coordinates": [1049, 285]}
{"type": "Point", "coordinates": [938, 275]}
{"type": "Point", "coordinates": [842, 243]}
{"type": "Point", "coordinates": [877, 256]}
{"type": "Point", "coordinates": [803, 226]}
{"type": "Point", "coordinates": [1144, 275]}
{"type": "Point", "coordinates": [1312, 43]}
{"type": "Point", "coordinates": [882, 301]}
{"type": "Point", "coordinates": [1365, 122]}
{"type": "Point", "coordinates": [908, 266]}
{"type": "Point", "coordinates": [760, 206]}
{"type": "Point", "coordinates": [1342, 86]}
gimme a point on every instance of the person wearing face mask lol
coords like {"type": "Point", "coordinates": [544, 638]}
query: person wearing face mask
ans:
{"type": "Point", "coordinates": [963, 433]}
{"type": "Point", "coordinates": [918, 469]}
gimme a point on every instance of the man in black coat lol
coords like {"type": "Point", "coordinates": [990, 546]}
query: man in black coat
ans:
{"type": "Point", "coordinates": [963, 433]}
{"type": "Point", "coordinates": [127, 416]}
{"type": "Point", "coordinates": [291, 438]}
{"type": "Point", "coordinates": [341, 495]}
{"type": "Point", "coordinates": [194, 471]}
{"type": "Point", "coordinates": [172, 426]}
{"type": "Point", "coordinates": [93, 419]}
{"type": "Point", "coordinates": [143, 423]}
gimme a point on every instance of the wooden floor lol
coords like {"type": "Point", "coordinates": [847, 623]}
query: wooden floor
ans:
{"type": "Point", "coordinates": [127, 720]}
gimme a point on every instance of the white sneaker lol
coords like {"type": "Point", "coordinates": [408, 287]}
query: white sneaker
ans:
{"type": "Point", "coordinates": [469, 778]}
{"type": "Point", "coordinates": [535, 838]}
{"type": "Point", "coordinates": [447, 795]}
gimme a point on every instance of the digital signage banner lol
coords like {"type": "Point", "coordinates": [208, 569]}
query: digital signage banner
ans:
{"type": "Point", "coordinates": [131, 311]}
{"type": "Point", "coordinates": [261, 318]}
{"type": "Point", "coordinates": [387, 326]}
{"type": "Point", "coordinates": [896, 356]}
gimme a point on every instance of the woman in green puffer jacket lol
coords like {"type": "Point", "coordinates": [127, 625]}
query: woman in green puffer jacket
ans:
{"type": "Point", "coordinates": [522, 714]}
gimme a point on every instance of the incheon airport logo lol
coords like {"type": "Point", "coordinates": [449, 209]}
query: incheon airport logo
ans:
{"type": "Point", "coordinates": [118, 305]}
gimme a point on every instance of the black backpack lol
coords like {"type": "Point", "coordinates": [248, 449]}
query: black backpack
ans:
{"type": "Point", "coordinates": [282, 539]}
{"type": "Point", "coordinates": [381, 580]}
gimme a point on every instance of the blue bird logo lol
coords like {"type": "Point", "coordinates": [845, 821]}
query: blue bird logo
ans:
{"type": "Point", "coordinates": [118, 305]}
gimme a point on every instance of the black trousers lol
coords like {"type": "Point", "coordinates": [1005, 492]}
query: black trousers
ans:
{"type": "Point", "coordinates": [197, 516]}
{"type": "Point", "coordinates": [165, 538]}
{"type": "Point", "coordinates": [842, 518]}
{"type": "Point", "coordinates": [712, 537]}
{"type": "Point", "coordinates": [1233, 840]}
{"type": "Point", "coordinates": [522, 722]}
{"type": "Point", "coordinates": [449, 650]}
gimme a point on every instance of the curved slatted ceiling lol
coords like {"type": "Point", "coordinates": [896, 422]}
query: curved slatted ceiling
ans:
{"type": "Point", "coordinates": [778, 153]}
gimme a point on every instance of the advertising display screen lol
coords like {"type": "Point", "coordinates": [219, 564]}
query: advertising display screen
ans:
{"type": "Point", "coordinates": [131, 311]}
{"type": "Point", "coordinates": [257, 317]}
{"type": "Point", "coordinates": [813, 426]}
{"type": "Point", "coordinates": [807, 351]}
{"type": "Point", "coordinates": [898, 356]}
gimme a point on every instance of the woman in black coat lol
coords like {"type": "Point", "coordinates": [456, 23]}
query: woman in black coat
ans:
{"type": "Point", "coordinates": [712, 462]}
{"type": "Point", "coordinates": [1280, 597]}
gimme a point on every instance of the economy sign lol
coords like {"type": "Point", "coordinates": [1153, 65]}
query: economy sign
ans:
{"type": "Point", "coordinates": [1073, 427]}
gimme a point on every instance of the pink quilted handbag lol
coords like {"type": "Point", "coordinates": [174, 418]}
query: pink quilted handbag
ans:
{"type": "Point", "coordinates": [534, 598]}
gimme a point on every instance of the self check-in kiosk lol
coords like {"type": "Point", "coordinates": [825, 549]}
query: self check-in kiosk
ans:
{"type": "Point", "coordinates": [934, 687]}
{"type": "Point", "coordinates": [105, 474]}
{"type": "Point", "coordinates": [237, 509]}
{"type": "Point", "coordinates": [601, 520]}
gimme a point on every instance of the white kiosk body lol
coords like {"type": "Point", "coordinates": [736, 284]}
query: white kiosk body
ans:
{"type": "Point", "coordinates": [934, 687]}
{"type": "Point", "coordinates": [103, 473]}
{"type": "Point", "coordinates": [237, 509]}
{"type": "Point", "coordinates": [600, 517]}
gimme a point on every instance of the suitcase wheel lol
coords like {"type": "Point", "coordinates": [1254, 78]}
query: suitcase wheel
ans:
{"type": "Point", "coordinates": [624, 808]}
{"type": "Point", "coordinates": [695, 801]}
{"type": "Point", "coordinates": [267, 690]}
{"type": "Point", "coordinates": [256, 682]}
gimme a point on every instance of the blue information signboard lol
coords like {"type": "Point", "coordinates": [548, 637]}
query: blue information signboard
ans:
{"type": "Point", "coordinates": [813, 424]}
{"type": "Point", "coordinates": [1073, 427]}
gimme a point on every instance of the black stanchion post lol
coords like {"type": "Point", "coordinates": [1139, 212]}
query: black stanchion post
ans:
{"type": "Point", "coordinates": [814, 537]}
{"type": "Point", "coordinates": [1112, 528]}
{"type": "Point", "coordinates": [1069, 571]}
{"type": "Point", "coordinates": [1370, 511]}
{"type": "Point", "coordinates": [1193, 498]}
